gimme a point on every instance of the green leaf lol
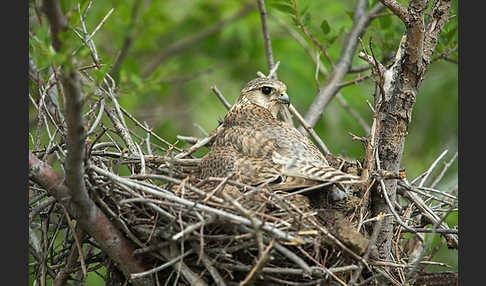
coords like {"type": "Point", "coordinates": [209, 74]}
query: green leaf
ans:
{"type": "Point", "coordinates": [306, 19]}
{"type": "Point", "coordinates": [350, 14]}
{"type": "Point", "coordinates": [325, 27]}
{"type": "Point", "coordinates": [304, 11]}
{"type": "Point", "coordinates": [100, 74]}
{"type": "Point", "coordinates": [286, 8]}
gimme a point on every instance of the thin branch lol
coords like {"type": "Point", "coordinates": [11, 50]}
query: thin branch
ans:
{"type": "Point", "coordinates": [221, 97]}
{"type": "Point", "coordinates": [309, 129]}
{"type": "Point", "coordinates": [161, 267]}
{"type": "Point", "coordinates": [166, 195]}
{"type": "Point", "coordinates": [190, 41]}
{"type": "Point", "coordinates": [397, 9]}
{"type": "Point", "coordinates": [327, 92]}
{"type": "Point", "coordinates": [266, 36]}
{"type": "Point", "coordinates": [108, 237]}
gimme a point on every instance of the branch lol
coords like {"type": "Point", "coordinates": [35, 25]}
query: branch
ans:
{"type": "Point", "coordinates": [95, 223]}
{"type": "Point", "coordinates": [266, 36]}
{"type": "Point", "coordinates": [440, 15]}
{"type": "Point", "coordinates": [396, 8]}
{"type": "Point", "coordinates": [127, 42]}
{"type": "Point", "coordinates": [58, 22]}
{"type": "Point", "coordinates": [192, 40]}
{"type": "Point", "coordinates": [327, 92]}
{"type": "Point", "coordinates": [90, 217]}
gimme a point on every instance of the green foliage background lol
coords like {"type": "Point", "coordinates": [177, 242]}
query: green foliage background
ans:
{"type": "Point", "coordinates": [177, 96]}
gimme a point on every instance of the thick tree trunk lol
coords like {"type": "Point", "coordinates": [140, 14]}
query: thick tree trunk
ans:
{"type": "Point", "coordinates": [401, 83]}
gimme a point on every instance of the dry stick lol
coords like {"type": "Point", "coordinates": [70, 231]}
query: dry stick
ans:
{"type": "Point", "coordinates": [100, 24]}
{"type": "Point", "coordinates": [430, 215]}
{"type": "Point", "coordinates": [221, 97]}
{"type": "Point", "coordinates": [431, 168]}
{"type": "Point", "coordinates": [77, 243]}
{"type": "Point", "coordinates": [446, 167]}
{"type": "Point", "coordinates": [323, 71]}
{"type": "Point", "coordinates": [309, 129]}
{"type": "Point", "coordinates": [258, 266]}
{"type": "Point", "coordinates": [254, 224]}
{"type": "Point", "coordinates": [146, 129]}
{"type": "Point", "coordinates": [371, 244]}
{"type": "Point", "coordinates": [218, 279]}
{"type": "Point", "coordinates": [327, 92]}
{"type": "Point", "coordinates": [109, 238]}
{"type": "Point", "coordinates": [71, 261]}
{"type": "Point", "coordinates": [181, 268]}
{"type": "Point", "coordinates": [340, 244]}
{"type": "Point", "coordinates": [266, 37]}
{"type": "Point", "coordinates": [387, 199]}
{"type": "Point", "coordinates": [411, 273]}
{"type": "Point", "coordinates": [176, 181]}
{"type": "Point", "coordinates": [98, 117]}
{"type": "Point", "coordinates": [190, 41]}
{"type": "Point", "coordinates": [192, 228]}
{"type": "Point", "coordinates": [167, 195]}
{"type": "Point", "coordinates": [161, 267]}
{"type": "Point", "coordinates": [122, 131]}
{"type": "Point", "coordinates": [316, 271]}
{"type": "Point", "coordinates": [196, 146]}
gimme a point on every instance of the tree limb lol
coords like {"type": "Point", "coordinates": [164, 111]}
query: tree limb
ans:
{"type": "Point", "coordinates": [327, 92]}
{"type": "Point", "coordinates": [192, 40]}
{"type": "Point", "coordinates": [95, 223]}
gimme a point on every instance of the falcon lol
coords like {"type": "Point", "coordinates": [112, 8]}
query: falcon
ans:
{"type": "Point", "coordinates": [253, 144]}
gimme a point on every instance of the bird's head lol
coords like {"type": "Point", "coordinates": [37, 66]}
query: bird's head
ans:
{"type": "Point", "coordinates": [265, 92]}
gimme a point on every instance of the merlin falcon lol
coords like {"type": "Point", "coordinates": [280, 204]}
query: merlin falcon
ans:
{"type": "Point", "coordinates": [255, 146]}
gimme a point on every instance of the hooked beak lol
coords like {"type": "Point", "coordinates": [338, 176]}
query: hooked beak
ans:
{"type": "Point", "coordinates": [284, 98]}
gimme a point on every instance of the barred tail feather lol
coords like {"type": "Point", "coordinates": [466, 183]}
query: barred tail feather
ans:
{"type": "Point", "coordinates": [324, 173]}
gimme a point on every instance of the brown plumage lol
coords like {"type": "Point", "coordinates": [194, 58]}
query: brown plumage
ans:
{"type": "Point", "coordinates": [252, 143]}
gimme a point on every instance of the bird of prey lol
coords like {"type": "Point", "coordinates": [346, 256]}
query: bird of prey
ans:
{"type": "Point", "coordinates": [257, 147]}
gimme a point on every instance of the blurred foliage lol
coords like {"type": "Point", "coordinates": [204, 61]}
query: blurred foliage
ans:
{"type": "Point", "coordinates": [176, 98]}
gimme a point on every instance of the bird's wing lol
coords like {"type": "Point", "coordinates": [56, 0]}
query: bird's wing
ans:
{"type": "Point", "coordinates": [301, 158]}
{"type": "Point", "coordinates": [223, 161]}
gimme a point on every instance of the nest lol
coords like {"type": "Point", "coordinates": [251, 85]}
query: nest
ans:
{"type": "Point", "coordinates": [243, 232]}
{"type": "Point", "coordinates": [190, 231]}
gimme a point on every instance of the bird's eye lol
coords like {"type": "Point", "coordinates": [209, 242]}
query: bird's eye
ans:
{"type": "Point", "coordinates": [266, 90]}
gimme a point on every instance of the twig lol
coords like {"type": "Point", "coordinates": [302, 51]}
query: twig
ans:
{"type": "Point", "coordinates": [411, 273]}
{"type": "Point", "coordinates": [266, 37]}
{"type": "Point", "coordinates": [371, 245]}
{"type": "Point", "coordinates": [190, 41]}
{"type": "Point", "coordinates": [259, 265]}
{"type": "Point", "coordinates": [100, 24]}
{"type": "Point", "coordinates": [429, 171]}
{"type": "Point", "coordinates": [146, 129]}
{"type": "Point", "coordinates": [221, 97]}
{"type": "Point", "coordinates": [109, 238]}
{"type": "Point", "coordinates": [278, 233]}
{"type": "Point", "coordinates": [196, 146]}
{"type": "Point", "coordinates": [446, 167]}
{"type": "Point", "coordinates": [309, 129]}
{"type": "Point", "coordinates": [327, 92]}
{"type": "Point", "coordinates": [161, 267]}
{"type": "Point", "coordinates": [397, 9]}
{"type": "Point", "coordinates": [323, 71]}
{"type": "Point", "coordinates": [218, 279]}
